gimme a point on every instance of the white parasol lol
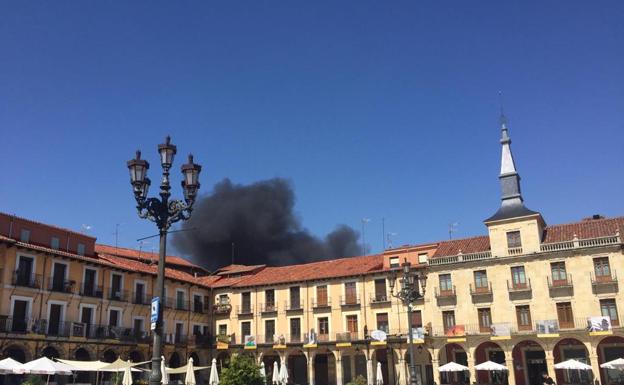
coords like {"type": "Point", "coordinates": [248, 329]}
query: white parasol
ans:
{"type": "Point", "coordinates": [8, 364]}
{"type": "Point", "coordinates": [44, 365]}
{"type": "Point", "coordinates": [163, 371]}
{"type": "Point", "coordinates": [283, 374]}
{"type": "Point", "coordinates": [617, 364]}
{"type": "Point", "coordinates": [127, 377]}
{"type": "Point", "coordinates": [263, 372]}
{"type": "Point", "coordinates": [452, 367]}
{"type": "Point", "coordinates": [379, 380]}
{"type": "Point", "coordinates": [572, 365]}
{"type": "Point", "coordinates": [189, 378]}
{"type": "Point", "coordinates": [214, 375]}
{"type": "Point", "coordinates": [275, 378]}
{"type": "Point", "coordinates": [491, 367]}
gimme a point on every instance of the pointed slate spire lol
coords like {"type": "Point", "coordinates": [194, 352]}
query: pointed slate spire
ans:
{"type": "Point", "coordinates": [512, 205]}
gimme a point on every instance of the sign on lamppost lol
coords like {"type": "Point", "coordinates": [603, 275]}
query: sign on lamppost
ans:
{"type": "Point", "coordinates": [155, 312]}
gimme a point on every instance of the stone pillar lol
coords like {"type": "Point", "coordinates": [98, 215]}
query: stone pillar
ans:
{"type": "Point", "coordinates": [311, 369]}
{"type": "Point", "coordinates": [402, 371]}
{"type": "Point", "coordinates": [369, 371]}
{"type": "Point", "coordinates": [471, 365]}
{"type": "Point", "coordinates": [338, 369]}
{"type": "Point", "coordinates": [511, 373]}
{"type": "Point", "coordinates": [550, 363]}
{"type": "Point", "coordinates": [435, 364]}
{"type": "Point", "coordinates": [593, 360]}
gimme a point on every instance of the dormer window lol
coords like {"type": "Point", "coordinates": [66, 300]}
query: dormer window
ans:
{"type": "Point", "coordinates": [394, 262]}
{"type": "Point", "coordinates": [25, 236]}
{"type": "Point", "coordinates": [513, 239]}
{"type": "Point", "coordinates": [55, 243]}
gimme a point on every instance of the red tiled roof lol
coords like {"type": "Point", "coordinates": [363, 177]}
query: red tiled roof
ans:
{"type": "Point", "coordinates": [142, 255]}
{"type": "Point", "coordinates": [48, 225]}
{"type": "Point", "coordinates": [238, 269]}
{"type": "Point", "coordinates": [343, 267]}
{"type": "Point", "coordinates": [466, 246]}
{"type": "Point", "coordinates": [592, 228]}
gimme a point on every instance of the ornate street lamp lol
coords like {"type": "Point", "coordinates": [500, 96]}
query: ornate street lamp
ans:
{"type": "Point", "coordinates": [408, 294]}
{"type": "Point", "coordinates": [164, 212]}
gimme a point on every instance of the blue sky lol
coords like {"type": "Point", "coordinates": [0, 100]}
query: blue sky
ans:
{"type": "Point", "coordinates": [372, 109]}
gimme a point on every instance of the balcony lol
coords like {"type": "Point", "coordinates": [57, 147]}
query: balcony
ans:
{"type": "Point", "coordinates": [180, 339]}
{"type": "Point", "coordinates": [202, 340]}
{"type": "Point", "coordinates": [13, 325]}
{"type": "Point", "coordinates": [61, 285]}
{"type": "Point", "coordinates": [118, 295]}
{"type": "Point", "coordinates": [561, 287]}
{"type": "Point", "coordinates": [89, 289]}
{"type": "Point", "coordinates": [514, 251]}
{"type": "Point", "coordinates": [182, 305]}
{"type": "Point", "coordinates": [222, 308]}
{"type": "Point", "coordinates": [292, 306]}
{"type": "Point", "coordinates": [347, 337]}
{"type": "Point", "coordinates": [268, 308]}
{"type": "Point", "coordinates": [446, 296]}
{"type": "Point", "coordinates": [51, 329]}
{"type": "Point", "coordinates": [379, 299]}
{"type": "Point", "coordinates": [245, 310]}
{"type": "Point", "coordinates": [198, 307]}
{"type": "Point", "coordinates": [349, 300]}
{"type": "Point", "coordinates": [519, 290]}
{"type": "Point", "coordinates": [295, 338]}
{"type": "Point", "coordinates": [481, 293]}
{"type": "Point", "coordinates": [139, 298]}
{"type": "Point", "coordinates": [26, 280]}
{"type": "Point", "coordinates": [604, 284]}
{"type": "Point", "coordinates": [324, 304]}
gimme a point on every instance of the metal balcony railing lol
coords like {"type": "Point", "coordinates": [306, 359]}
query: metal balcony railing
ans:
{"type": "Point", "coordinates": [221, 308]}
{"type": "Point", "coordinates": [608, 279]}
{"type": "Point", "coordinates": [446, 293]}
{"type": "Point", "coordinates": [61, 285]}
{"type": "Point", "coordinates": [21, 278]}
{"type": "Point", "coordinates": [244, 309]}
{"type": "Point", "coordinates": [181, 304]}
{"type": "Point", "coordinates": [565, 282]}
{"type": "Point", "coordinates": [139, 298]}
{"type": "Point", "coordinates": [379, 298]}
{"type": "Point", "coordinates": [293, 305]}
{"type": "Point", "coordinates": [268, 308]}
{"type": "Point", "coordinates": [481, 290]}
{"type": "Point", "coordinates": [348, 336]}
{"type": "Point", "coordinates": [198, 306]}
{"type": "Point", "coordinates": [349, 300]}
{"type": "Point", "coordinates": [323, 303]}
{"type": "Point", "coordinates": [519, 286]}
{"type": "Point", "coordinates": [118, 295]}
{"type": "Point", "coordinates": [89, 289]}
{"type": "Point", "coordinates": [13, 325]}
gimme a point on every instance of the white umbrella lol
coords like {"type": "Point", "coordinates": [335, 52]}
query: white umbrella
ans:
{"type": "Point", "coordinates": [163, 370]}
{"type": "Point", "coordinates": [44, 365]}
{"type": "Point", "coordinates": [283, 375]}
{"type": "Point", "coordinates": [263, 372]}
{"type": "Point", "coordinates": [214, 375]}
{"type": "Point", "coordinates": [275, 378]}
{"type": "Point", "coordinates": [572, 365]}
{"type": "Point", "coordinates": [127, 377]}
{"type": "Point", "coordinates": [615, 364]}
{"type": "Point", "coordinates": [8, 364]}
{"type": "Point", "coordinates": [189, 378]}
{"type": "Point", "coordinates": [491, 367]}
{"type": "Point", "coordinates": [379, 380]}
{"type": "Point", "coordinates": [452, 367]}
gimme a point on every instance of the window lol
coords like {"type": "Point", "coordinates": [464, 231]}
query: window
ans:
{"type": "Point", "coordinates": [245, 330]}
{"type": "Point", "coordinates": [321, 295]}
{"type": "Point", "coordinates": [113, 317]}
{"type": "Point", "coordinates": [564, 314]}
{"type": "Point", "coordinates": [518, 277]}
{"type": "Point", "coordinates": [80, 249]}
{"type": "Point", "coordinates": [116, 285]}
{"type": "Point", "coordinates": [448, 320]}
{"type": "Point", "coordinates": [380, 290]}
{"type": "Point", "coordinates": [416, 319]}
{"type": "Point", "coordinates": [138, 325]}
{"type": "Point", "coordinates": [350, 293]}
{"type": "Point", "coordinates": [481, 281]}
{"type": "Point", "coordinates": [197, 330]}
{"type": "Point", "coordinates": [323, 329]}
{"type": "Point", "coordinates": [523, 317]}
{"type": "Point", "coordinates": [269, 331]}
{"type": "Point", "coordinates": [422, 258]}
{"type": "Point", "coordinates": [179, 332]}
{"type": "Point", "coordinates": [295, 329]}
{"type": "Point", "coordinates": [55, 243]}
{"type": "Point", "coordinates": [197, 303]}
{"type": "Point", "coordinates": [139, 293]}
{"type": "Point", "coordinates": [352, 326]}
{"type": "Point", "coordinates": [609, 309]}
{"type": "Point", "coordinates": [25, 236]}
{"type": "Point", "coordinates": [180, 300]}
{"type": "Point", "coordinates": [559, 276]}
{"type": "Point", "coordinates": [485, 320]}
{"type": "Point", "coordinates": [246, 302]}
{"type": "Point", "coordinates": [602, 269]}
{"type": "Point", "coordinates": [394, 262]}
{"type": "Point", "coordinates": [269, 299]}
{"type": "Point", "coordinates": [513, 239]}
{"type": "Point", "coordinates": [223, 330]}
{"type": "Point", "coordinates": [382, 322]}
{"type": "Point", "coordinates": [446, 285]}
{"type": "Point", "coordinates": [295, 300]}
{"type": "Point", "coordinates": [224, 299]}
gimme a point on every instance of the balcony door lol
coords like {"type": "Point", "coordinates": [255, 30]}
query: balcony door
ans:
{"type": "Point", "coordinates": [25, 269]}
{"type": "Point", "coordinates": [116, 287]}
{"type": "Point", "coordinates": [20, 316]}
{"type": "Point", "coordinates": [54, 319]}
{"type": "Point", "coordinates": [89, 282]}
{"type": "Point", "coordinates": [350, 293]}
{"type": "Point", "coordinates": [139, 293]}
{"type": "Point", "coordinates": [58, 276]}
{"type": "Point", "coordinates": [86, 317]}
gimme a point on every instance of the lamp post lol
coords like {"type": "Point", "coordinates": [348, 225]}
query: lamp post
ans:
{"type": "Point", "coordinates": [164, 212]}
{"type": "Point", "coordinates": [408, 294]}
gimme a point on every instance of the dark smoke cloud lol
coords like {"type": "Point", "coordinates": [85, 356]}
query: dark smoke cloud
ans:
{"type": "Point", "coordinates": [260, 221]}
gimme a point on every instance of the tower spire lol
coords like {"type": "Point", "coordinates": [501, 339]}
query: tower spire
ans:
{"type": "Point", "coordinates": [512, 205]}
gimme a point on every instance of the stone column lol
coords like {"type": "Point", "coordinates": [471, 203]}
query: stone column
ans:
{"type": "Point", "coordinates": [369, 371]}
{"type": "Point", "coordinates": [338, 369]}
{"type": "Point", "coordinates": [310, 369]}
{"type": "Point", "coordinates": [471, 365]}
{"type": "Point", "coordinates": [435, 364]}
{"type": "Point", "coordinates": [511, 373]}
{"type": "Point", "coordinates": [402, 371]}
{"type": "Point", "coordinates": [550, 363]}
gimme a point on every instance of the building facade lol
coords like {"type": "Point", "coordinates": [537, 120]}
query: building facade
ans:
{"type": "Point", "coordinates": [526, 295]}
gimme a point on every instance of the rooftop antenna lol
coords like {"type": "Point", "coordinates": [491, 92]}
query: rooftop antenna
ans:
{"type": "Point", "coordinates": [383, 232]}
{"type": "Point", "coordinates": [85, 228]}
{"type": "Point", "coordinates": [365, 221]}
{"type": "Point", "coordinates": [389, 236]}
{"type": "Point", "coordinates": [452, 227]}
{"type": "Point", "coordinates": [116, 234]}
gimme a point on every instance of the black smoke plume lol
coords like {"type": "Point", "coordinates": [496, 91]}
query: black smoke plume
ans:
{"type": "Point", "coordinates": [259, 220]}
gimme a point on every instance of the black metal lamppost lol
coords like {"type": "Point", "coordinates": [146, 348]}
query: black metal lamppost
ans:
{"type": "Point", "coordinates": [164, 212]}
{"type": "Point", "coordinates": [408, 294]}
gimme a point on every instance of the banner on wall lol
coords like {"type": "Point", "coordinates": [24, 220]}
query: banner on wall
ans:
{"type": "Point", "coordinates": [455, 331]}
{"type": "Point", "coordinates": [418, 333]}
{"type": "Point", "coordinates": [599, 324]}
{"type": "Point", "coordinates": [309, 338]}
{"type": "Point", "coordinates": [549, 326]}
{"type": "Point", "coordinates": [250, 341]}
{"type": "Point", "coordinates": [279, 339]}
{"type": "Point", "coordinates": [500, 330]}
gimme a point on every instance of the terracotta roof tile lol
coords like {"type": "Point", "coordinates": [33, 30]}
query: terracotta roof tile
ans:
{"type": "Point", "coordinates": [466, 246]}
{"type": "Point", "coordinates": [141, 255]}
{"type": "Point", "coordinates": [592, 228]}
{"type": "Point", "coordinates": [48, 225]}
{"type": "Point", "coordinates": [238, 269]}
{"type": "Point", "coordinates": [343, 267]}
